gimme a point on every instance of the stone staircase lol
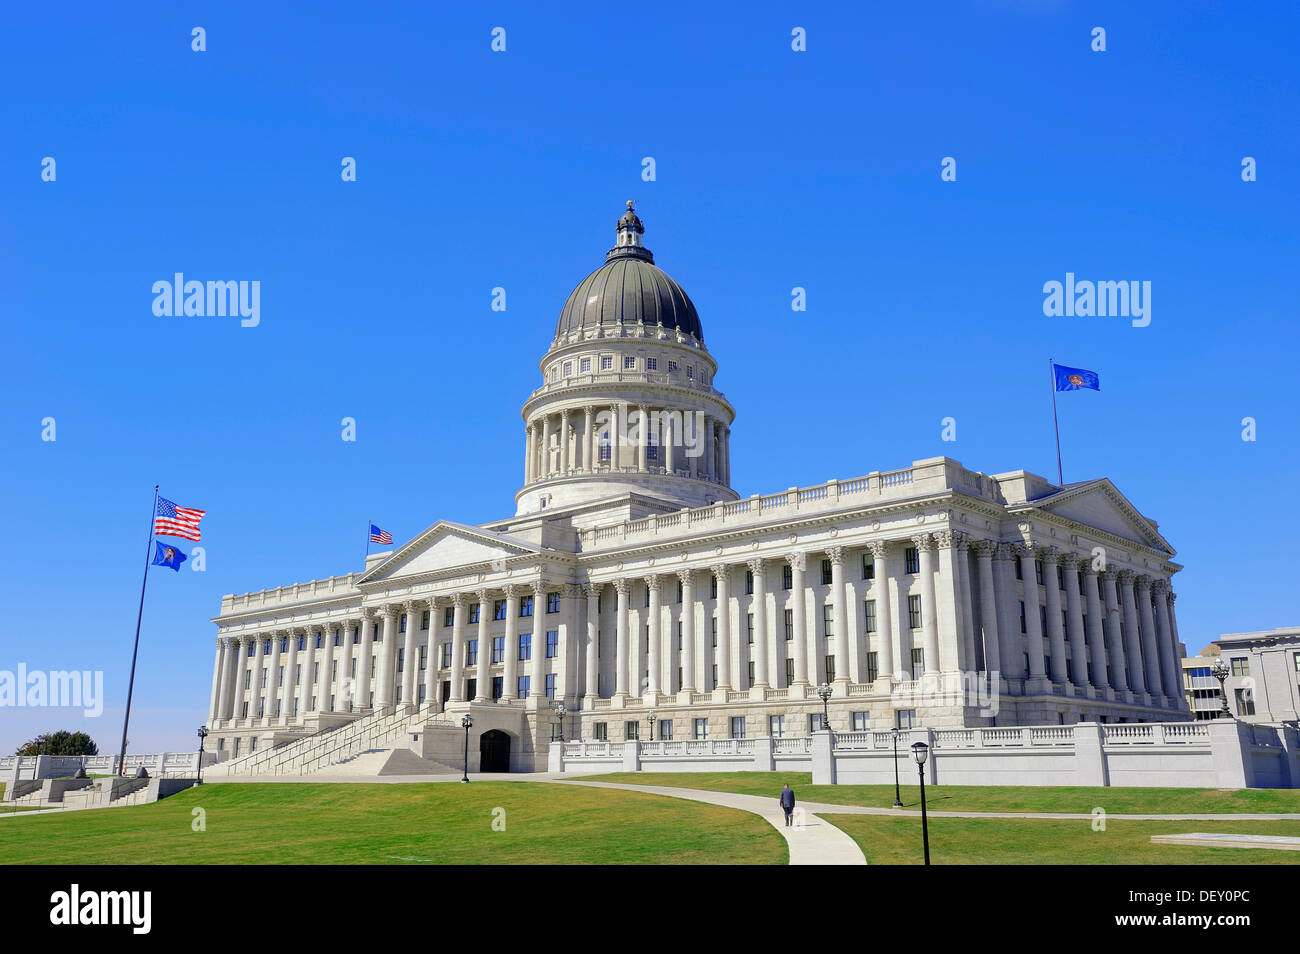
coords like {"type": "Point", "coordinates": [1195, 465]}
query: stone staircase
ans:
{"type": "Point", "coordinates": [381, 731]}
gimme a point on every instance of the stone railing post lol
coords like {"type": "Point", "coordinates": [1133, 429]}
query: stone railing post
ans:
{"type": "Point", "coordinates": [555, 757]}
{"type": "Point", "coordinates": [1089, 755]}
{"type": "Point", "coordinates": [823, 758]}
{"type": "Point", "coordinates": [631, 756]}
{"type": "Point", "coordinates": [1231, 755]}
{"type": "Point", "coordinates": [763, 758]}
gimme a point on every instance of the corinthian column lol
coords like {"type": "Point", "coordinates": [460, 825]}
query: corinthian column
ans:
{"type": "Point", "coordinates": [591, 682]}
{"type": "Point", "coordinates": [722, 655]}
{"type": "Point", "coordinates": [761, 636]}
{"type": "Point", "coordinates": [387, 659]}
{"type": "Point", "coordinates": [1168, 648]}
{"type": "Point", "coordinates": [929, 625]}
{"type": "Point", "coordinates": [409, 663]}
{"type": "Point", "coordinates": [1150, 649]}
{"type": "Point", "coordinates": [510, 664]}
{"type": "Point", "coordinates": [687, 578]}
{"type": "Point", "coordinates": [459, 601]}
{"type": "Point", "coordinates": [840, 610]}
{"type": "Point", "coordinates": [798, 565]}
{"type": "Point", "coordinates": [884, 612]}
{"type": "Point", "coordinates": [654, 584]}
{"type": "Point", "coordinates": [1033, 622]}
{"type": "Point", "coordinates": [984, 550]}
{"type": "Point", "coordinates": [1114, 636]}
{"type": "Point", "coordinates": [537, 672]}
{"type": "Point", "coordinates": [1074, 615]}
{"type": "Point", "coordinates": [1055, 631]}
{"type": "Point", "coordinates": [1132, 638]}
{"type": "Point", "coordinates": [290, 677]}
{"type": "Point", "coordinates": [530, 453]}
{"type": "Point", "coordinates": [326, 681]}
{"type": "Point", "coordinates": [482, 674]}
{"type": "Point", "coordinates": [588, 458]}
{"type": "Point", "coordinates": [214, 703]}
{"type": "Point", "coordinates": [436, 605]}
{"type": "Point", "coordinates": [620, 640]}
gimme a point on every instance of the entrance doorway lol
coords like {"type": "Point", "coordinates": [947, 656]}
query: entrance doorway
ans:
{"type": "Point", "coordinates": [494, 751]}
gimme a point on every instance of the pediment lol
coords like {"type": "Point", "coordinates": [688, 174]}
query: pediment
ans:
{"type": "Point", "coordinates": [448, 547]}
{"type": "Point", "coordinates": [1099, 504]}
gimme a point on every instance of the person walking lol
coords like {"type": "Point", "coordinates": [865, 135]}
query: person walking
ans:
{"type": "Point", "coordinates": [787, 803]}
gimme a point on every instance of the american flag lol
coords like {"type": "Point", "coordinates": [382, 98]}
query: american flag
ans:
{"type": "Point", "coordinates": [379, 536]}
{"type": "Point", "coordinates": [173, 521]}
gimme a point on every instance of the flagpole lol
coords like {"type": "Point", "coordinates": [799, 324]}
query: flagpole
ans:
{"type": "Point", "coordinates": [1060, 478]}
{"type": "Point", "coordinates": [135, 652]}
{"type": "Point", "coordinates": [368, 526]}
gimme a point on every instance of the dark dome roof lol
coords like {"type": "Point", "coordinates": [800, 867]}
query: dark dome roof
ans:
{"type": "Point", "coordinates": [629, 289]}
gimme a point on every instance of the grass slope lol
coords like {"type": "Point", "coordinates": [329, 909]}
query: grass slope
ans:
{"type": "Point", "coordinates": [398, 824]}
{"type": "Point", "coordinates": [980, 798]}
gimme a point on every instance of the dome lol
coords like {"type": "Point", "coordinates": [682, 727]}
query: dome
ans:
{"type": "Point", "coordinates": [629, 289]}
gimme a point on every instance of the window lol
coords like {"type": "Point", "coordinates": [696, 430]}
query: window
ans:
{"type": "Point", "coordinates": [914, 612]}
{"type": "Point", "coordinates": [713, 626]}
{"type": "Point", "coordinates": [830, 668]}
{"type": "Point", "coordinates": [787, 577]}
{"type": "Point", "coordinates": [471, 652]}
{"type": "Point", "coordinates": [498, 687]}
{"type": "Point", "coordinates": [828, 620]}
{"type": "Point", "coordinates": [319, 637]}
{"type": "Point", "coordinates": [1038, 572]}
{"type": "Point", "coordinates": [568, 368]}
{"type": "Point", "coordinates": [816, 722]}
{"type": "Point", "coordinates": [525, 646]}
{"type": "Point", "coordinates": [449, 616]}
{"type": "Point", "coordinates": [601, 731]}
{"type": "Point", "coordinates": [498, 649]}
{"type": "Point", "coordinates": [713, 587]}
{"type": "Point", "coordinates": [652, 364]}
{"type": "Point", "coordinates": [424, 620]}
{"type": "Point", "coordinates": [524, 682]}
{"type": "Point", "coordinates": [679, 591]}
{"type": "Point", "coordinates": [749, 628]}
{"type": "Point", "coordinates": [750, 673]}
{"type": "Point", "coordinates": [789, 624]}
{"type": "Point", "coordinates": [526, 606]}
{"type": "Point", "coordinates": [550, 685]}
{"type": "Point", "coordinates": [690, 373]}
{"type": "Point", "coordinates": [666, 729]}
{"type": "Point", "coordinates": [789, 671]}
{"type": "Point", "coordinates": [552, 602]}
{"type": "Point", "coordinates": [869, 616]}
{"type": "Point", "coordinates": [868, 566]}
{"type": "Point", "coordinates": [918, 663]}
{"type": "Point", "coordinates": [826, 572]}
{"type": "Point", "coordinates": [474, 612]}
{"type": "Point", "coordinates": [714, 683]}
{"type": "Point", "coordinates": [701, 728]}
{"type": "Point", "coordinates": [749, 582]}
{"type": "Point", "coordinates": [906, 718]}
{"type": "Point", "coordinates": [401, 627]}
{"type": "Point", "coordinates": [911, 560]}
{"type": "Point", "coordinates": [1042, 619]}
{"type": "Point", "coordinates": [445, 662]}
{"type": "Point", "coordinates": [499, 610]}
{"type": "Point", "coordinates": [861, 721]}
{"type": "Point", "coordinates": [1023, 627]}
{"type": "Point", "coordinates": [584, 366]}
{"type": "Point", "coordinates": [1245, 702]}
{"type": "Point", "coordinates": [552, 643]}
{"type": "Point", "coordinates": [1241, 666]}
{"type": "Point", "coordinates": [401, 660]}
{"type": "Point", "coordinates": [672, 367]}
{"type": "Point", "coordinates": [873, 666]}
{"type": "Point", "coordinates": [1019, 573]}
{"type": "Point", "coordinates": [606, 362]}
{"type": "Point", "coordinates": [776, 726]}
{"type": "Point", "coordinates": [737, 727]}
{"type": "Point", "coordinates": [1060, 577]}
{"type": "Point", "coordinates": [629, 363]}
{"type": "Point", "coordinates": [424, 658]}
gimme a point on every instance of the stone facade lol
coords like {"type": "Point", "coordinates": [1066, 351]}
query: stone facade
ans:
{"type": "Point", "coordinates": [633, 582]}
{"type": "Point", "coordinates": [1263, 684]}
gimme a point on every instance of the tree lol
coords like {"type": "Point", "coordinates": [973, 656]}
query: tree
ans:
{"type": "Point", "coordinates": [60, 743]}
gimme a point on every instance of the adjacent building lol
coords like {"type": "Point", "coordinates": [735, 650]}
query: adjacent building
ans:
{"type": "Point", "coordinates": [1263, 683]}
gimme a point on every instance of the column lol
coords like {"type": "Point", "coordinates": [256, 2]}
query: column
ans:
{"type": "Point", "coordinates": [510, 664]}
{"type": "Point", "coordinates": [565, 463]}
{"type": "Point", "coordinates": [361, 692]}
{"type": "Point", "coordinates": [798, 566]}
{"type": "Point", "coordinates": [482, 675]}
{"type": "Point", "coordinates": [669, 443]}
{"type": "Point", "coordinates": [290, 674]}
{"type": "Point", "coordinates": [984, 550]}
{"type": "Point", "coordinates": [459, 601]}
{"type": "Point", "coordinates": [1132, 637]}
{"type": "Point", "coordinates": [537, 671]}
{"type": "Point", "coordinates": [566, 686]}
{"type": "Point", "coordinates": [1074, 614]}
{"type": "Point", "coordinates": [929, 625]}
{"type": "Point", "coordinates": [620, 637]}
{"type": "Point", "coordinates": [591, 679]}
{"type": "Point", "coordinates": [530, 453]}
{"type": "Point", "coordinates": [642, 438]}
{"type": "Point", "coordinates": [1033, 622]}
{"type": "Point", "coordinates": [1055, 631]}
{"type": "Point", "coordinates": [687, 578]}
{"type": "Point", "coordinates": [544, 470]}
{"type": "Point", "coordinates": [1150, 646]}
{"type": "Point", "coordinates": [710, 457]}
{"type": "Point", "coordinates": [884, 612]}
{"type": "Point", "coordinates": [1004, 583]}
{"type": "Point", "coordinates": [840, 608]}
{"type": "Point", "coordinates": [615, 439]}
{"type": "Point", "coordinates": [431, 655]}
{"type": "Point", "coordinates": [655, 586]}
{"type": "Point", "coordinates": [1169, 651]}
{"type": "Point", "coordinates": [229, 678]}
{"type": "Point", "coordinates": [762, 639]}
{"type": "Point", "coordinates": [410, 660]}
{"type": "Point", "coordinates": [387, 658]}
{"type": "Point", "coordinates": [214, 702]}
{"type": "Point", "coordinates": [588, 458]}
{"type": "Point", "coordinates": [273, 674]}
{"type": "Point", "coordinates": [1114, 640]}
{"type": "Point", "coordinates": [722, 656]}
{"type": "Point", "coordinates": [326, 683]}
{"type": "Point", "coordinates": [258, 684]}
{"type": "Point", "coordinates": [947, 609]}
{"type": "Point", "coordinates": [965, 605]}
{"type": "Point", "coordinates": [1095, 629]}
{"type": "Point", "coordinates": [726, 456]}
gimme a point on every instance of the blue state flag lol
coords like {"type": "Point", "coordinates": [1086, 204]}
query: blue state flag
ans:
{"type": "Point", "coordinates": [1073, 379]}
{"type": "Point", "coordinates": [168, 555]}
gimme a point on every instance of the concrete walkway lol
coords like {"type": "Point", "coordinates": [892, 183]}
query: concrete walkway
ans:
{"type": "Point", "coordinates": [814, 842]}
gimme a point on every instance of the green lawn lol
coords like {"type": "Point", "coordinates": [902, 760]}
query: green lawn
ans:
{"type": "Point", "coordinates": [980, 798]}
{"type": "Point", "coordinates": [1009, 841]}
{"type": "Point", "coordinates": [444, 823]}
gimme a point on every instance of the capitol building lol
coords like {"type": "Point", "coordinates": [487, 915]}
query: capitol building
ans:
{"type": "Point", "coordinates": [635, 594]}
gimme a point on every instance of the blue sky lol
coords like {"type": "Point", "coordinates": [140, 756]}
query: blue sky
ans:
{"type": "Point", "coordinates": [479, 169]}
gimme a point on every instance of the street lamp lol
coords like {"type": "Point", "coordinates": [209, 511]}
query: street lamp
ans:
{"type": "Point", "coordinates": [1220, 672]}
{"type": "Point", "coordinates": [898, 802]}
{"type": "Point", "coordinates": [465, 724]}
{"type": "Point", "coordinates": [560, 711]}
{"type": "Point", "coordinates": [650, 717]}
{"type": "Point", "coordinates": [919, 751]}
{"type": "Point", "coordinates": [824, 690]}
{"type": "Point", "coordinates": [203, 734]}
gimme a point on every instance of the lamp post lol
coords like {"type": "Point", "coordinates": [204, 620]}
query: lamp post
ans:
{"type": "Point", "coordinates": [898, 802]}
{"type": "Point", "coordinates": [203, 734]}
{"type": "Point", "coordinates": [824, 690]}
{"type": "Point", "coordinates": [560, 711]}
{"type": "Point", "coordinates": [1220, 672]}
{"type": "Point", "coordinates": [650, 717]}
{"type": "Point", "coordinates": [919, 751]}
{"type": "Point", "coordinates": [465, 724]}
